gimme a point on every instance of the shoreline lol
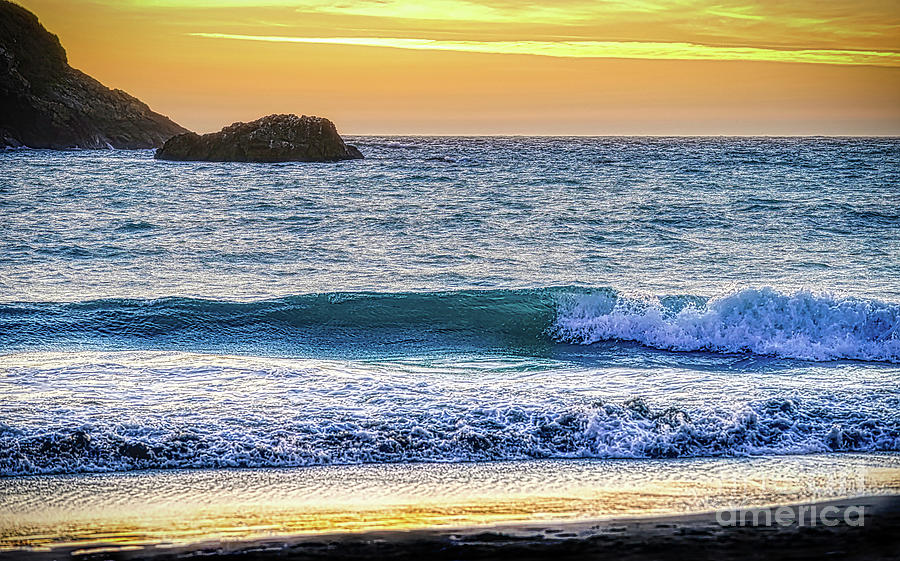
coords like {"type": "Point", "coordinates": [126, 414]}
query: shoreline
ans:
{"type": "Point", "coordinates": [625, 538]}
{"type": "Point", "coordinates": [154, 513]}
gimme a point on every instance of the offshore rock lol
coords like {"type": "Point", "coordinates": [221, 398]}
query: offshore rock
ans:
{"type": "Point", "coordinates": [45, 103]}
{"type": "Point", "coordinates": [275, 138]}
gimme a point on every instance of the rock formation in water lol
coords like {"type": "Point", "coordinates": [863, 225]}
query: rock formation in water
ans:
{"type": "Point", "coordinates": [45, 103]}
{"type": "Point", "coordinates": [276, 138]}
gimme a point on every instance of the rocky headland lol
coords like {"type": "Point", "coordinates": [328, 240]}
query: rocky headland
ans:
{"type": "Point", "coordinates": [45, 103]}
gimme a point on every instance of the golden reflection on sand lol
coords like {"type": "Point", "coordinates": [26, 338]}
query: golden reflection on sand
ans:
{"type": "Point", "coordinates": [183, 522]}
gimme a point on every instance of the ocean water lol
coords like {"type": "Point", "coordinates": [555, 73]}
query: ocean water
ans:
{"type": "Point", "coordinates": [449, 300]}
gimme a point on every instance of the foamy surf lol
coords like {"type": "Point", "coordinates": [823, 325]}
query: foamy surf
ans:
{"type": "Point", "coordinates": [799, 325]}
{"type": "Point", "coordinates": [89, 412]}
{"type": "Point", "coordinates": [616, 430]}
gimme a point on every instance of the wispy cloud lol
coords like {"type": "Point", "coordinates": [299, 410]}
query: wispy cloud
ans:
{"type": "Point", "coordinates": [597, 49]}
{"type": "Point", "coordinates": [496, 11]}
{"type": "Point", "coordinates": [858, 32]}
{"type": "Point", "coordinates": [518, 11]}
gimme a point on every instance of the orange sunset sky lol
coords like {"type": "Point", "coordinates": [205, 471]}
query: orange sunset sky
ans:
{"type": "Point", "coordinates": [500, 66]}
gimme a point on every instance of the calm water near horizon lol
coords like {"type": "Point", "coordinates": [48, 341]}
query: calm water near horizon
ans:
{"type": "Point", "coordinates": [450, 299]}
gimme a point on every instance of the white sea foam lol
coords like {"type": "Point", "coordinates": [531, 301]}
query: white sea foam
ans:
{"type": "Point", "coordinates": [627, 430]}
{"type": "Point", "coordinates": [91, 412]}
{"type": "Point", "coordinates": [802, 325]}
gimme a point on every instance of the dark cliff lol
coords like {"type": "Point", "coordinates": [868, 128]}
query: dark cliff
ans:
{"type": "Point", "coordinates": [45, 103]}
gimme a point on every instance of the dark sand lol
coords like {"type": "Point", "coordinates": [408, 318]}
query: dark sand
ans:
{"type": "Point", "coordinates": [697, 536]}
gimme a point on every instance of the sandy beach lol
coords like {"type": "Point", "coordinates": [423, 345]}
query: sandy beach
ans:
{"type": "Point", "coordinates": [521, 509]}
{"type": "Point", "coordinates": [697, 536]}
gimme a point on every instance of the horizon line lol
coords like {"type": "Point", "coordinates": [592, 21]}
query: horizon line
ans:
{"type": "Point", "coordinates": [626, 135]}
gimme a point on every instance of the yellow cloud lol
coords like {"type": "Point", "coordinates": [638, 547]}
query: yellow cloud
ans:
{"type": "Point", "coordinates": [864, 25]}
{"type": "Point", "coordinates": [481, 10]}
{"type": "Point", "coordinates": [470, 10]}
{"type": "Point", "coordinates": [597, 49]}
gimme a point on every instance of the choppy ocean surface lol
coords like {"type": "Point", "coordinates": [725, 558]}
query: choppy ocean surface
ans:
{"type": "Point", "coordinates": [450, 299]}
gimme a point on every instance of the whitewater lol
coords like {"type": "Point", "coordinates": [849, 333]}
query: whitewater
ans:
{"type": "Point", "coordinates": [450, 300]}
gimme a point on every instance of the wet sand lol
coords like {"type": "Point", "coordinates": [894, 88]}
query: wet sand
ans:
{"type": "Point", "coordinates": [872, 536]}
{"type": "Point", "coordinates": [525, 509]}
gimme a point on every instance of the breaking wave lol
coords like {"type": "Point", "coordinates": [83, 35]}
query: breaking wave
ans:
{"type": "Point", "coordinates": [601, 430]}
{"type": "Point", "coordinates": [801, 325]}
